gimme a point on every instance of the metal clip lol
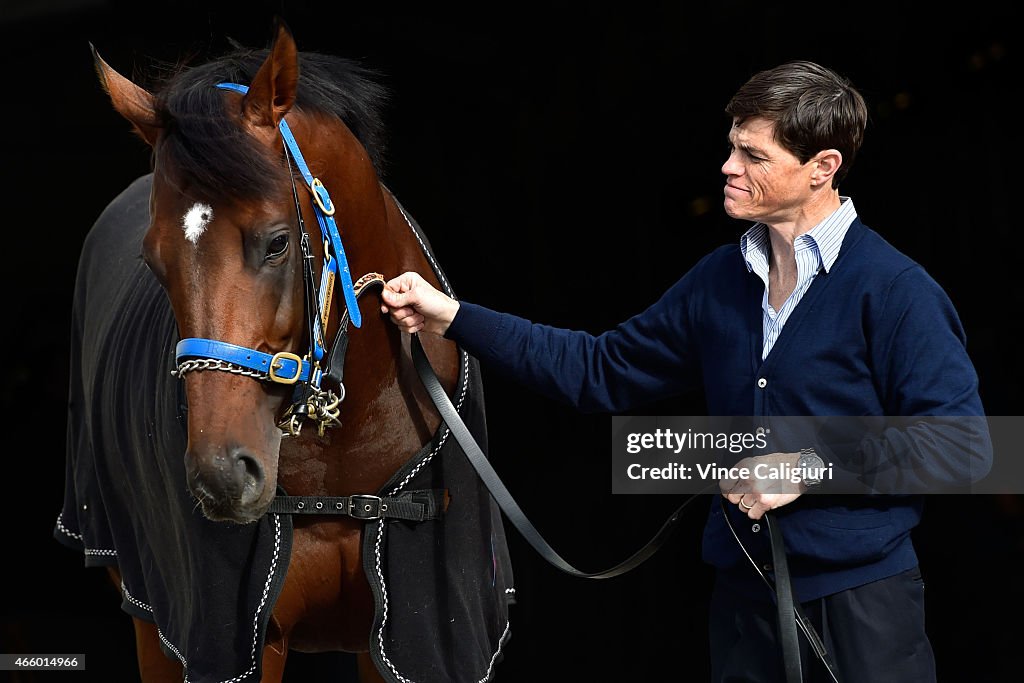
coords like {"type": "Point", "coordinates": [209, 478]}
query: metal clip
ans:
{"type": "Point", "coordinates": [290, 425]}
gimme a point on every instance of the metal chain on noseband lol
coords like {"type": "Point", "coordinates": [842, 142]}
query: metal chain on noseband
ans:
{"type": "Point", "coordinates": [323, 406]}
{"type": "Point", "coordinates": [215, 364]}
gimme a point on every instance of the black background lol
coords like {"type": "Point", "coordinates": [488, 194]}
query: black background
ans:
{"type": "Point", "coordinates": [564, 160]}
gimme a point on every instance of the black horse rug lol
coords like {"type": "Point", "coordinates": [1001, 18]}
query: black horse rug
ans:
{"type": "Point", "coordinates": [442, 587]}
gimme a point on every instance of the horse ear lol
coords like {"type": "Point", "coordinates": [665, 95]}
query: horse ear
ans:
{"type": "Point", "coordinates": [131, 101]}
{"type": "Point", "coordinates": [272, 91]}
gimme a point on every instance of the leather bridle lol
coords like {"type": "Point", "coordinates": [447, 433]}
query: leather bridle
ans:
{"type": "Point", "coordinates": [310, 399]}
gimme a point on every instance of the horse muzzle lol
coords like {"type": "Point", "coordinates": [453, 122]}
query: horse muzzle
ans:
{"type": "Point", "coordinates": [229, 483]}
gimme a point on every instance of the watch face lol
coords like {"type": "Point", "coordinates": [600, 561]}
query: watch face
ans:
{"type": "Point", "coordinates": [812, 465]}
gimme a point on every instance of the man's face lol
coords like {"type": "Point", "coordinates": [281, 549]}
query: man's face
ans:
{"type": "Point", "coordinates": [763, 181]}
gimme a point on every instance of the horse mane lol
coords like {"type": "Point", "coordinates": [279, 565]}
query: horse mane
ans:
{"type": "Point", "coordinates": [220, 158]}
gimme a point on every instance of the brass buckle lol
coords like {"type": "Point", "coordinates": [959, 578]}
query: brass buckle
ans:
{"type": "Point", "coordinates": [275, 364]}
{"type": "Point", "coordinates": [317, 187]}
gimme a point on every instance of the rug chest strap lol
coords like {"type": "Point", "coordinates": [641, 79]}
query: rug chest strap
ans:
{"type": "Point", "coordinates": [415, 506]}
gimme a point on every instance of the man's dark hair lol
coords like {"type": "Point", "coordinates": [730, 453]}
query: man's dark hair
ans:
{"type": "Point", "coordinates": [812, 108]}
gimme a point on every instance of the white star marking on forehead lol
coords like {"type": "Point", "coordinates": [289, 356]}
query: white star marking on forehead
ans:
{"type": "Point", "coordinates": [196, 220]}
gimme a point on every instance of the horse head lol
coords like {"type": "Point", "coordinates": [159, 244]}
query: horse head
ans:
{"type": "Point", "coordinates": [227, 240]}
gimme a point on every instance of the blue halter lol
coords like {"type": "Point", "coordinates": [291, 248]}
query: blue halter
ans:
{"type": "Point", "coordinates": [285, 367]}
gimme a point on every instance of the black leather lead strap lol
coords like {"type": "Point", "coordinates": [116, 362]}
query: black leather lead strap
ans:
{"type": "Point", "coordinates": [336, 357]}
{"type": "Point", "coordinates": [784, 601]}
{"type": "Point", "coordinates": [799, 617]}
{"type": "Point", "coordinates": [501, 494]}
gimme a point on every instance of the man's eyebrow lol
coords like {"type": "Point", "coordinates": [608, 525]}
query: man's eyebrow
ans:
{"type": "Point", "coordinates": [748, 148]}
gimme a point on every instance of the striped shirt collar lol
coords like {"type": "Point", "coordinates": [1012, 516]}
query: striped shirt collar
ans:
{"type": "Point", "coordinates": [825, 238]}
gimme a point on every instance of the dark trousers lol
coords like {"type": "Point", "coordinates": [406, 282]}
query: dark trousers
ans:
{"type": "Point", "coordinates": [874, 633]}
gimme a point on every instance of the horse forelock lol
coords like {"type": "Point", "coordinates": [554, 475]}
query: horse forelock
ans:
{"type": "Point", "coordinates": [206, 144]}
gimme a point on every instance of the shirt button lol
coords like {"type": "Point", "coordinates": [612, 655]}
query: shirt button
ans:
{"type": "Point", "coordinates": [759, 431]}
{"type": "Point", "coordinates": [762, 382]}
{"type": "Point", "coordinates": [755, 527]}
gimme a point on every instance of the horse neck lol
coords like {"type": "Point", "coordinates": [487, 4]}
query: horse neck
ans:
{"type": "Point", "coordinates": [366, 215]}
{"type": "Point", "coordinates": [386, 415]}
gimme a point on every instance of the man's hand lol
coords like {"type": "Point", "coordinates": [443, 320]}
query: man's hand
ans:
{"type": "Point", "coordinates": [768, 485]}
{"type": "Point", "coordinates": [415, 305]}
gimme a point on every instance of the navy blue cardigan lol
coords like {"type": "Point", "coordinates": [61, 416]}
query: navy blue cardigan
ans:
{"type": "Point", "coordinates": [876, 336]}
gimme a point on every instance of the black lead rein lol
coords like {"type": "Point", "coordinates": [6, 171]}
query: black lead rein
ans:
{"type": "Point", "coordinates": [501, 495]}
{"type": "Point", "coordinates": [790, 614]}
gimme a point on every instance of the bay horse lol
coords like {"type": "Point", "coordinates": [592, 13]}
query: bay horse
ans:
{"type": "Point", "coordinates": [250, 451]}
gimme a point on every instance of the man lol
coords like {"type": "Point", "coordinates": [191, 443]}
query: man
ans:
{"type": "Point", "coordinates": [812, 314]}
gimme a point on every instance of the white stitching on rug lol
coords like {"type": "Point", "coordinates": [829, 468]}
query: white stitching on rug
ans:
{"type": "Point", "coordinates": [132, 599]}
{"type": "Point", "coordinates": [66, 531]}
{"type": "Point", "coordinates": [437, 268]}
{"type": "Point", "coordinates": [380, 537]}
{"type": "Point", "coordinates": [263, 602]}
{"type": "Point", "coordinates": [259, 608]}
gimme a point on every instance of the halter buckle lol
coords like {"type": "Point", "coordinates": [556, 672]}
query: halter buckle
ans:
{"type": "Point", "coordinates": [276, 364]}
{"type": "Point", "coordinates": [320, 196]}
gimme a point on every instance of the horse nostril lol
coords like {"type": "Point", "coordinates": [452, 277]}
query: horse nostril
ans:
{"type": "Point", "coordinates": [250, 472]}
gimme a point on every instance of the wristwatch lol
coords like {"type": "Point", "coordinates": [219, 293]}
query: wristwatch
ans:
{"type": "Point", "coordinates": [812, 466]}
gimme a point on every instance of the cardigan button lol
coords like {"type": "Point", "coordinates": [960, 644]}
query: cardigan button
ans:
{"type": "Point", "coordinates": [762, 382]}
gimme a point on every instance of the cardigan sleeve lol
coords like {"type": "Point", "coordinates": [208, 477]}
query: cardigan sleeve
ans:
{"type": "Point", "coordinates": [646, 358]}
{"type": "Point", "coordinates": [937, 438]}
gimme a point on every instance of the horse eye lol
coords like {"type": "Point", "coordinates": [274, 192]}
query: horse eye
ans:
{"type": "Point", "coordinates": [278, 246]}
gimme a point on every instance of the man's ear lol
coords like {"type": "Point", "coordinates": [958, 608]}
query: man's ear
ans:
{"type": "Point", "coordinates": [827, 163]}
{"type": "Point", "coordinates": [131, 101]}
